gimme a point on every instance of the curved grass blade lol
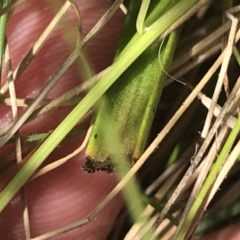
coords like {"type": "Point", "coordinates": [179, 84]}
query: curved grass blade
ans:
{"type": "Point", "coordinates": [90, 99]}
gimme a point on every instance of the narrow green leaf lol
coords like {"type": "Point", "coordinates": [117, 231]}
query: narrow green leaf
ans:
{"type": "Point", "coordinates": [90, 99]}
{"type": "Point", "coordinates": [132, 102]}
{"type": "Point", "coordinates": [209, 181]}
{"type": "Point", "coordinates": [3, 22]}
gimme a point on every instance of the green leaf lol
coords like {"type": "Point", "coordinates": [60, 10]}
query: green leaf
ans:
{"type": "Point", "coordinates": [131, 102]}
{"type": "Point", "coordinates": [122, 63]}
{"type": "Point", "coordinates": [3, 22]}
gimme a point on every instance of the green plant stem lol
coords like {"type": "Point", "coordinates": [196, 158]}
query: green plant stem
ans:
{"type": "Point", "coordinates": [3, 23]}
{"type": "Point", "coordinates": [142, 15]}
{"type": "Point", "coordinates": [126, 44]}
{"type": "Point", "coordinates": [209, 181]}
{"type": "Point", "coordinates": [89, 100]}
{"type": "Point", "coordinates": [132, 192]}
{"type": "Point", "coordinates": [236, 54]}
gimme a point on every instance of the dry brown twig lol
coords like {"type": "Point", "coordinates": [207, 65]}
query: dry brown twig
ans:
{"type": "Point", "coordinates": [63, 160]}
{"type": "Point", "coordinates": [205, 144]}
{"type": "Point", "coordinates": [222, 74]}
{"type": "Point", "coordinates": [148, 152]}
{"type": "Point", "coordinates": [210, 114]}
{"type": "Point", "coordinates": [12, 93]}
{"type": "Point", "coordinates": [10, 130]}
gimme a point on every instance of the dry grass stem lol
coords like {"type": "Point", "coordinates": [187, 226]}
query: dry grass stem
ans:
{"type": "Point", "coordinates": [18, 149]}
{"type": "Point", "coordinates": [102, 21]}
{"type": "Point", "coordinates": [70, 94]}
{"type": "Point", "coordinates": [9, 130]}
{"type": "Point", "coordinates": [157, 141]}
{"type": "Point", "coordinates": [149, 210]}
{"type": "Point", "coordinates": [209, 137]}
{"type": "Point", "coordinates": [200, 46]}
{"type": "Point", "coordinates": [205, 167]}
{"type": "Point", "coordinates": [37, 101]}
{"type": "Point", "coordinates": [22, 102]}
{"type": "Point", "coordinates": [38, 45]}
{"type": "Point", "coordinates": [167, 184]}
{"type": "Point", "coordinates": [206, 101]}
{"type": "Point", "coordinates": [224, 171]}
{"type": "Point", "coordinates": [225, 63]}
{"type": "Point", "coordinates": [166, 229]}
{"type": "Point", "coordinates": [63, 160]}
{"type": "Point", "coordinates": [193, 64]}
{"type": "Point", "coordinates": [164, 176]}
